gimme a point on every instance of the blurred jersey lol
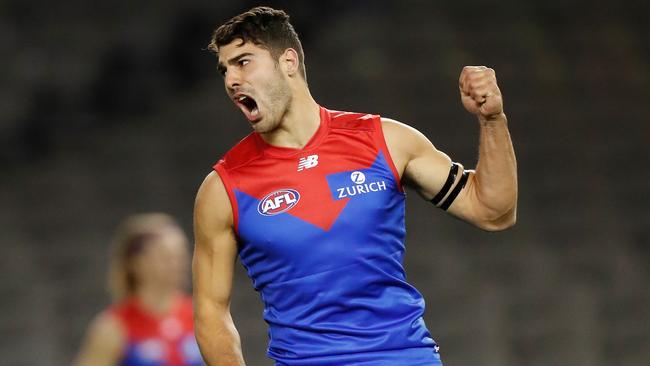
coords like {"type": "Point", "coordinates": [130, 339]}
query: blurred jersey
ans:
{"type": "Point", "coordinates": [321, 234]}
{"type": "Point", "coordinates": [158, 339]}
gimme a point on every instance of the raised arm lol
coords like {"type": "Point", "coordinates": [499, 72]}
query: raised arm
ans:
{"type": "Point", "coordinates": [212, 273]}
{"type": "Point", "coordinates": [488, 198]}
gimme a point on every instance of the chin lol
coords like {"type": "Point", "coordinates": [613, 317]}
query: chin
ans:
{"type": "Point", "coordinates": [263, 126]}
{"type": "Point", "coordinates": [257, 127]}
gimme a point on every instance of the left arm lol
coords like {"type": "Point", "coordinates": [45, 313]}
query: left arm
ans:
{"type": "Point", "coordinates": [104, 343]}
{"type": "Point", "coordinates": [489, 198]}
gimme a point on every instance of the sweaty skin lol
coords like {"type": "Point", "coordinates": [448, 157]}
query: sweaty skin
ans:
{"type": "Point", "coordinates": [289, 118]}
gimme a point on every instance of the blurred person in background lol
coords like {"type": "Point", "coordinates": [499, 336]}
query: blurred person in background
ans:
{"type": "Point", "coordinates": [312, 202]}
{"type": "Point", "coordinates": [150, 320]}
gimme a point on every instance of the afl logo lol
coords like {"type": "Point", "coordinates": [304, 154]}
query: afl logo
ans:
{"type": "Point", "coordinates": [278, 202]}
{"type": "Point", "coordinates": [358, 177]}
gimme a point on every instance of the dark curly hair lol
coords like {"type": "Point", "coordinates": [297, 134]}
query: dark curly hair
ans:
{"type": "Point", "coordinates": [263, 26]}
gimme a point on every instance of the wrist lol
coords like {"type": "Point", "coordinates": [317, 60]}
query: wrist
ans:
{"type": "Point", "coordinates": [494, 118]}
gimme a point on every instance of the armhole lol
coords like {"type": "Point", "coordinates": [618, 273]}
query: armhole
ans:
{"type": "Point", "coordinates": [380, 140]}
{"type": "Point", "coordinates": [225, 179]}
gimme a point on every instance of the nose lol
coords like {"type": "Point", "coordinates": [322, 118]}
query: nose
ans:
{"type": "Point", "coordinates": [233, 79]}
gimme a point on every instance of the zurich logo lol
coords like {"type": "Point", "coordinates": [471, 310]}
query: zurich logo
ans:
{"type": "Point", "coordinates": [360, 186]}
{"type": "Point", "coordinates": [358, 177]}
{"type": "Point", "coordinates": [278, 202]}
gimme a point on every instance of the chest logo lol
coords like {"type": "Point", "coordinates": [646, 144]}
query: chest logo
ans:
{"type": "Point", "coordinates": [308, 162]}
{"type": "Point", "coordinates": [358, 177]}
{"type": "Point", "coordinates": [278, 202]}
{"type": "Point", "coordinates": [360, 186]}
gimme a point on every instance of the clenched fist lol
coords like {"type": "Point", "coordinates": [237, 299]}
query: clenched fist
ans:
{"type": "Point", "coordinates": [479, 92]}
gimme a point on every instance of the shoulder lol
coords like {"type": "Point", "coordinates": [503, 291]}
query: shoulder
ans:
{"type": "Point", "coordinates": [212, 206]}
{"type": "Point", "coordinates": [401, 137]}
{"type": "Point", "coordinates": [104, 342]}
{"type": "Point", "coordinates": [353, 120]}
{"type": "Point", "coordinates": [245, 150]}
{"type": "Point", "coordinates": [108, 328]}
{"type": "Point", "coordinates": [212, 180]}
{"type": "Point", "coordinates": [212, 188]}
{"type": "Point", "coordinates": [108, 321]}
{"type": "Point", "coordinates": [396, 129]}
{"type": "Point", "coordinates": [391, 129]}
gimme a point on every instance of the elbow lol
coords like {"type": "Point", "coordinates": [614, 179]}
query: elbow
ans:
{"type": "Point", "coordinates": [202, 334]}
{"type": "Point", "coordinates": [495, 211]}
{"type": "Point", "coordinates": [498, 222]}
{"type": "Point", "coordinates": [204, 324]}
{"type": "Point", "coordinates": [211, 324]}
{"type": "Point", "coordinates": [497, 226]}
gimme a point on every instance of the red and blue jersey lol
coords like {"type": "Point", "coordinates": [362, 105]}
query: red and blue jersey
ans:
{"type": "Point", "coordinates": [158, 340]}
{"type": "Point", "coordinates": [321, 234]}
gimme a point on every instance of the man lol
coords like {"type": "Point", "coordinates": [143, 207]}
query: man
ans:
{"type": "Point", "coordinates": [150, 320]}
{"type": "Point", "coordinates": [312, 202]}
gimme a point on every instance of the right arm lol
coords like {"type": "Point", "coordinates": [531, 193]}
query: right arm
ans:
{"type": "Point", "coordinates": [215, 252]}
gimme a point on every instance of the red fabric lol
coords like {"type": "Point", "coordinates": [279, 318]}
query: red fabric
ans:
{"type": "Point", "coordinates": [336, 133]}
{"type": "Point", "coordinates": [170, 328]}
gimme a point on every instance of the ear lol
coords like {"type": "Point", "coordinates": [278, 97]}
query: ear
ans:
{"type": "Point", "coordinates": [290, 61]}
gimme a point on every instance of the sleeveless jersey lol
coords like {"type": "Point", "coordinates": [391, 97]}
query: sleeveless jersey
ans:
{"type": "Point", "coordinates": [158, 340]}
{"type": "Point", "coordinates": [321, 234]}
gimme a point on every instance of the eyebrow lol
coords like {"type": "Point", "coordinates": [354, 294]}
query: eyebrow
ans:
{"type": "Point", "coordinates": [233, 60]}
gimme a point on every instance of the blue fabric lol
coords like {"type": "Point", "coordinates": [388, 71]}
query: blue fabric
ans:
{"type": "Point", "coordinates": [423, 356]}
{"type": "Point", "coordinates": [152, 352]}
{"type": "Point", "coordinates": [340, 296]}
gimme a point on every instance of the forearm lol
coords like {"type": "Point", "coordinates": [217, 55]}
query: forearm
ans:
{"type": "Point", "coordinates": [218, 339]}
{"type": "Point", "coordinates": [495, 179]}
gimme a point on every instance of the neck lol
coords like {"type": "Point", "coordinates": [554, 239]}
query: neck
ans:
{"type": "Point", "coordinates": [300, 121]}
{"type": "Point", "coordinates": [156, 299]}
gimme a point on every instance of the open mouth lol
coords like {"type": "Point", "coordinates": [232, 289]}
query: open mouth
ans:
{"type": "Point", "coordinates": [248, 105]}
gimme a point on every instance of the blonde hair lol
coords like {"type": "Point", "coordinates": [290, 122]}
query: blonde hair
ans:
{"type": "Point", "coordinates": [131, 237]}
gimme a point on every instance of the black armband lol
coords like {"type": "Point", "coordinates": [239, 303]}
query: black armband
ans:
{"type": "Point", "coordinates": [451, 178]}
{"type": "Point", "coordinates": [456, 191]}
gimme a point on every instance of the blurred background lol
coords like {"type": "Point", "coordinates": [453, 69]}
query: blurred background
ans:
{"type": "Point", "coordinates": [111, 108]}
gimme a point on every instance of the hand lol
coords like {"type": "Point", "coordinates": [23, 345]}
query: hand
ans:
{"type": "Point", "coordinates": [479, 92]}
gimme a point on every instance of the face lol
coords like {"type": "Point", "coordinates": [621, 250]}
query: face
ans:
{"type": "Point", "coordinates": [255, 82]}
{"type": "Point", "coordinates": [164, 260]}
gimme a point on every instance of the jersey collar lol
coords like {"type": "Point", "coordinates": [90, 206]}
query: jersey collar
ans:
{"type": "Point", "coordinates": [314, 141]}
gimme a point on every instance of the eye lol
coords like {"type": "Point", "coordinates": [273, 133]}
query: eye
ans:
{"type": "Point", "coordinates": [243, 62]}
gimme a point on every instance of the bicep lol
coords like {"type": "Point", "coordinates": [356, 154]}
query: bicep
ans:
{"type": "Point", "coordinates": [427, 169]}
{"type": "Point", "coordinates": [423, 167]}
{"type": "Point", "coordinates": [215, 248]}
{"type": "Point", "coordinates": [103, 344]}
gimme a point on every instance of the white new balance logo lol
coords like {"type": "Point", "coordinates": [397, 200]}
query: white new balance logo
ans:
{"type": "Point", "coordinates": [308, 162]}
